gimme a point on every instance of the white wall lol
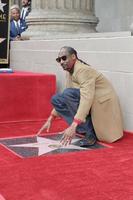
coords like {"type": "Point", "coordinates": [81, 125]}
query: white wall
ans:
{"type": "Point", "coordinates": [113, 56]}
{"type": "Point", "coordinates": [114, 15]}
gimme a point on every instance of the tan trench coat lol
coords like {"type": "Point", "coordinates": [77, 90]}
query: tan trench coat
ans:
{"type": "Point", "coordinates": [98, 97]}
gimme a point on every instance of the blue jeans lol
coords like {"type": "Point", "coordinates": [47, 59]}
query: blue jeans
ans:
{"type": "Point", "coordinates": [66, 104]}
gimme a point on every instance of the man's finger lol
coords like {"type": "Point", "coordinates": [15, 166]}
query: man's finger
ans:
{"type": "Point", "coordinates": [47, 130]}
{"type": "Point", "coordinates": [38, 133]}
{"type": "Point", "coordinates": [66, 141]}
{"type": "Point", "coordinates": [62, 138]}
{"type": "Point", "coordinates": [70, 140]}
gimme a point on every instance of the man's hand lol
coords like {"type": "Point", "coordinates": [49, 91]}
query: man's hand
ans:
{"type": "Point", "coordinates": [69, 134]}
{"type": "Point", "coordinates": [17, 38]}
{"type": "Point", "coordinates": [46, 126]}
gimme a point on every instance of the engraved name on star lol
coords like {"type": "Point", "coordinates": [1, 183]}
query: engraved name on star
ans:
{"type": "Point", "coordinates": [2, 5]}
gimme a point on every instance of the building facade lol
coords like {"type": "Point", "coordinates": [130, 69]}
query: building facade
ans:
{"type": "Point", "coordinates": [113, 15]}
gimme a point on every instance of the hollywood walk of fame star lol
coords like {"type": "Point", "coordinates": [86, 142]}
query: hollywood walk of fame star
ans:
{"type": "Point", "coordinates": [2, 5]}
{"type": "Point", "coordinates": [46, 145]}
{"type": "Point", "coordinates": [2, 39]}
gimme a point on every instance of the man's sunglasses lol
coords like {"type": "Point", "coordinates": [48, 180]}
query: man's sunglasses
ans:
{"type": "Point", "coordinates": [61, 58]}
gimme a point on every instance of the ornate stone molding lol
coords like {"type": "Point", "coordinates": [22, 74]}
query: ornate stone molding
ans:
{"type": "Point", "coordinates": [16, 2]}
{"type": "Point", "coordinates": [57, 18]}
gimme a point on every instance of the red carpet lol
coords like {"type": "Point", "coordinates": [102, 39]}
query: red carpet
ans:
{"type": "Point", "coordinates": [25, 96]}
{"type": "Point", "coordinates": [100, 174]}
{"type": "Point", "coordinates": [96, 175]}
{"type": "Point", "coordinates": [7, 157]}
{"type": "Point", "coordinates": [16, 129]}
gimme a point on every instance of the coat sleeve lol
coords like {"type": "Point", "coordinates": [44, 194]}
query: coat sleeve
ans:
{"type": "Point", "coordinates": [86, 80]}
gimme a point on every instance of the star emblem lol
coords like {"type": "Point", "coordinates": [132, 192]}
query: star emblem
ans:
{"type": "Point", "coordinates": [46, 145]}
{"type": "Point", "coordinates": [2, 5]}
{"type": "Point", "coordinates": [32, 146]}
{"type": "Point", "coordinates": [2, 39]}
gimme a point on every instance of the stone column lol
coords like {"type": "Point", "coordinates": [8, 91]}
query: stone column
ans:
{"type": "Point", "coordinates": [16, 2]}
{"type": "Point", "coordinates": [59, 18]}
{"type": "Point", "coordinates": [131, 29]}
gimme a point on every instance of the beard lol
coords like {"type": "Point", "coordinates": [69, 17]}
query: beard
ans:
{"type": "Point", "coordinates": [67, 68]}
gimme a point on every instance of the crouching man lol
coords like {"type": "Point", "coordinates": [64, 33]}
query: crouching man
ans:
{"type": "Point", "coordinates": [89, 104]}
